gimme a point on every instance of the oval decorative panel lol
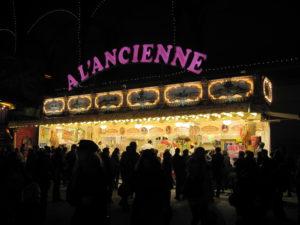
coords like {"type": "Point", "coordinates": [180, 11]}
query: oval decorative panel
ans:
{"type": "Point", "coordinates": [54, 106]}
{"type": "Point", "coordinates": [183, 94]}
{"type": "Point", "coordinates": [143, 97]}
{"type": "Point", "coordinates": [109, 101]}
{"type": "Point", "coordinates": [231, 89]}
{"type": "Point", "coordinates": [79, 103]}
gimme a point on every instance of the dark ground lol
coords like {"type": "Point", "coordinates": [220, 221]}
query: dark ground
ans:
{"type": "Point", "coordinates": [59, 213]}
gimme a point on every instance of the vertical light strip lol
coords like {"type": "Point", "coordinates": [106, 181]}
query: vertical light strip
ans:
{"type": "Point", "coordinates": [15, 24]}
{"type": "Point", "coordinates": [79, 31]}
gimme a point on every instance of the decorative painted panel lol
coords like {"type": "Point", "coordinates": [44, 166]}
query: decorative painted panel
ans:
{"type": "Point", "coordinates": [54, 106]}
{"type": "Point", "coordinates": [109, 101]}
{"type": "Point", "coordinates": [183, 94]}
{"type": "Point", "coordinates": [143, 97]}
{"type": "Point", "coordinates": [231, 89]}
{"type": "Point", "coordinates": [79, 103]}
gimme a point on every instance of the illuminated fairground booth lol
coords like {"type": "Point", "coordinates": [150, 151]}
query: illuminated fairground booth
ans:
{"type": "Point", "coordinates": [222, 112]}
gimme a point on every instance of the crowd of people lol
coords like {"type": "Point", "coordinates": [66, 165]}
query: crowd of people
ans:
{"type": "Point", "coordinates": [255, 184]}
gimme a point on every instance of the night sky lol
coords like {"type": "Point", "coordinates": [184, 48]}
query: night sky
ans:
{"type": "Point", "coordinates": [41, 38]}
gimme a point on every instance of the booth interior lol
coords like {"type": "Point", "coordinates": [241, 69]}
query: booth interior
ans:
{"type": "Point", "coordinates": [232, 132]}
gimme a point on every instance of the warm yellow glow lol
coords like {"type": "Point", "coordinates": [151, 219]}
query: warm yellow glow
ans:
{"type": "Point", "coordinates": [241, 114]}
{"type": "Point", "coordinates": [180, 120]}
{"type": "Point", "coordinates": [148, 126]}
{"type": "Point", "coordinates": [227, 122]}
{"type": "Point", "coordinates": [107, 107]}
{"type": "Point", "coordinates": [268, 90]}
{"type": "Point", "coordinates": [6, 105]}
{"type": "Point", "coordinates": [138, 126]}
{"type": "Point", "coordinates": [81, 109]}
{"type": "Point", "coordinates": [147, 104]}
{"type": "Point", "coordinates": [186, 101]}
{"type": "Point", "coordinates": [248, 80]}
{"type": "Point", "coordinates": [185, 125]}
{"type": "Point", "coordinates": [57, 111]}
{"type": "Point", "coordinates": [103, 127]}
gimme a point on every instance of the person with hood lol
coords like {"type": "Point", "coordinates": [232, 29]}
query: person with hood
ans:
{"type": "Point", "coordinates": [87, 190]}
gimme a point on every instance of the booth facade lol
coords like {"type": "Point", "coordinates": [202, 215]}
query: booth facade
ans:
{"type": "Point", "coordinates": [228, 113]}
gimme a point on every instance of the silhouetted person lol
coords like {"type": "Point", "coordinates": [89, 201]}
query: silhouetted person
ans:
{"type": "Point", "coordinates": [298, 188]}
{"type": "Point", "coordinates": [31, 160]}
{"type": "Point", "coordinates": [281, 183]}
{"type": "Point", "coordinates": [57, 165]}
{"type": "Point", "coordinates": [42, 175]}
{"type": "Point", "coordinates": [30, 207]}
{"type": "Point", "coordinates": [259, 158]}
{"type": "Point", "coordinates": [197, 187]}
{"type": "Point", "coordinates": [108, 171]}
{"type": "Point", "coordinates": [12, 182]}
{"type": "Point", "coordinates": [167, 171]}
{"type": "Point", "coordinates": [128, 162]}
{"type": "Point", "coordinates": [115, 163]}
{"type": "Point", "coordinates": [291, 168]}
{"type": "Point", "coordinates": [246, 189]}
{"type": "Point", "coordinates": [178, 166]}
{"type": "Point", "coordinates": [186, 158]}
{"type": "Point", "coordinates": [227, 171]}
{"type": "Point", "coordinates": [87, 190]}
{"type": "Point", "coordinates": [150, 191]}
{"type": "Point", "coordinates": [70, 160]}
{"type": "Point", "coordinates": [217, 164]}
{"type": "Point", "coordinates": [239, 164]}
{"type": "Point", "coordinates": [266, 182]}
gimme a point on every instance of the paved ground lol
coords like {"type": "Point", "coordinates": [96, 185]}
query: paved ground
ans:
{"type": "Point", "coordinates": [59, 213]}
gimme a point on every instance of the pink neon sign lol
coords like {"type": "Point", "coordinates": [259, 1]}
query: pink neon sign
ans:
{"type": "Point", "coordinates": [145, 53]}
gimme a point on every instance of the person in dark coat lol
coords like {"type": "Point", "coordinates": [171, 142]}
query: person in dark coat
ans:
{"type": "Point", "coordinates": [217, 164]}
{"type": "Point", "coordinates": [197, 187]}
{"type": "Point", "coordinates": [12, 182]}
{"type": "Point", "coordinates": [281, 184]}
{"type": "Point", "coordinates": [239, 163]}
{"type": "Point", "coordinates": [115, 163]}
{"type": "Point", "coordinates": [266, 178]}
{"type": "Point", "coordinates": [167, 169]}
{"type": "Point", "coordinates": [57, 160]}
{"type": "Point", "coordinates": [87, 190]}
{"type": "Point", "coordinates": [108, 171]}
{"type": "Point", "coordinates": [298, 187]}
{"type": "Point", "coordinates": [42, 175]}
{"type": "Point", "coordinates": [179, 170]}
{"type": "Point", "coordinates": [128, 162]}
{"type": "Point", "coordinates": [246, 191]}
{"type": "Point", "coordinates": [70, 160]}
{"type": "Point", "coordinates": [186, 158]}
{"type": "Point", "coordinates": [150, 187]}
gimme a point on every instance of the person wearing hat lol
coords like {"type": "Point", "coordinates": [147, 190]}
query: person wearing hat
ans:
{"type": "Point", "coordinates": [87, 190]}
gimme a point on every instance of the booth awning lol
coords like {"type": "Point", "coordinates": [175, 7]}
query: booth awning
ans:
{"type": "Point", "coordinates": [287, 116]}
